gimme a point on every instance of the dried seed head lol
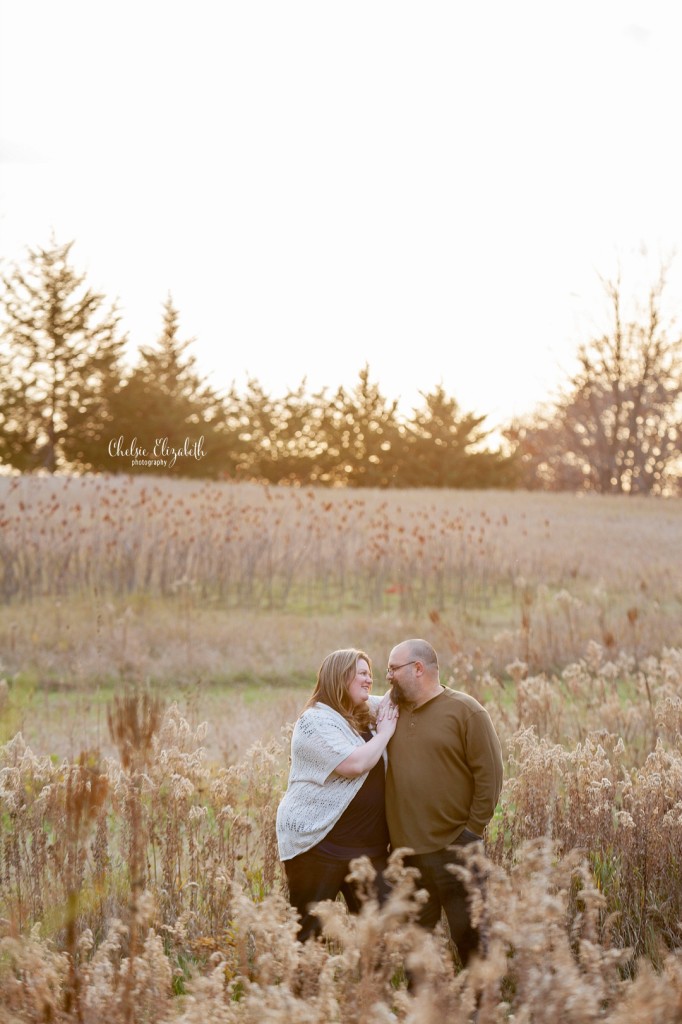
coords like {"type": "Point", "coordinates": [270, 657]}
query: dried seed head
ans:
{"type": "Point", "coordinates": [133, 721]}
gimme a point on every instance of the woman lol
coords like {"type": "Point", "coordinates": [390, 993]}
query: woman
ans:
{"type": "Point", "coordinates": [333, 809]}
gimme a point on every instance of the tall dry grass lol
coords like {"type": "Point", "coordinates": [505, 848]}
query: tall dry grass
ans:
{"type": "Point", "coordinates": [145, 886]}
{"type": "Point", "coordinates": [138, 866]}
{"type": "Point", "coordinates": [128, 579]}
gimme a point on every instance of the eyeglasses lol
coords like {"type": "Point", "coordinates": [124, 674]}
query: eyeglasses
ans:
{"type": "Point", "coordinates": [392, 669]}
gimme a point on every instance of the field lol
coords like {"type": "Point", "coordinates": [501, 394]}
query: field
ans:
{"type": "Point", "coordinates": [157, 640]}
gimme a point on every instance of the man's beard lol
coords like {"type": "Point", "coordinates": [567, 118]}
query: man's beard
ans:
{"type": "Point", "coordinates": [398, 695]}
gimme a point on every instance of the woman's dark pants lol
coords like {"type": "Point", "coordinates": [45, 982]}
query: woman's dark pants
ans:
{"type": "Point", "coordinates": [314, 876]}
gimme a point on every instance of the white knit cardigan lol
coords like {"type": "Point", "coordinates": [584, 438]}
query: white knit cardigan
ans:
{"type": "Point", "coordinates": [316, 797]}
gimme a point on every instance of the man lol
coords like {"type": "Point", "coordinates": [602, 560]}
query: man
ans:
{"type": "Point", "coordinates": [443, 783]}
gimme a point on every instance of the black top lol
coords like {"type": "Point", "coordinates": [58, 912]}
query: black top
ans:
{"type": "Point", "coordinates": [361, 829]}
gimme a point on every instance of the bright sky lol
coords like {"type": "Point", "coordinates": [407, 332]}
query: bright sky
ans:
{"type": "Point", "coordinates": [429, 187]}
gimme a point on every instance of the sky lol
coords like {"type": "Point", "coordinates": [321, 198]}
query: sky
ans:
{"type": "Point", "coordinates": [429, 188]}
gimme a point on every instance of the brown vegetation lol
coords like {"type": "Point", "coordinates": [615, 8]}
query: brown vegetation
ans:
{"type": "Point", "coordinates": [147, 886]}
{"type": "Point", "coordinates": [139, 875]}
{"type": "Point", "coordinates": [529, 576]}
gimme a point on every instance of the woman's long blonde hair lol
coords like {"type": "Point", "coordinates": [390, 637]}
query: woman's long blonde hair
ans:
{"type": "Point", "coordinates": [335, 673]}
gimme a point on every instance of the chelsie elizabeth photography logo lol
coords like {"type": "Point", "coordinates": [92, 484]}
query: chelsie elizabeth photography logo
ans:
{"type": "Point", "coordinates": [161, 453]}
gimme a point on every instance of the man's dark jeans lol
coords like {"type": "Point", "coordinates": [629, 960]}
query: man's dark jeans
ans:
{"type": "Point", "coordinates": [448, 893]}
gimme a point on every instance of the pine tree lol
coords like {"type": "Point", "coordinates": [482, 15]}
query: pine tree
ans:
{"type": "Point", "coordinates": [60, 355]}
{"type": "Point", "coordinates": [167, 407]}
{"type": "Point", "coordinates": [444, 448]}
{"type": "Point", "coordinates": [362, 436]}
{"type": "Point", "coordinates": [278, 439]}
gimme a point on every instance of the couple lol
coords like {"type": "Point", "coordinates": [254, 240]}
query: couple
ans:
{"type": "Point", "coordinates": [435, 791]}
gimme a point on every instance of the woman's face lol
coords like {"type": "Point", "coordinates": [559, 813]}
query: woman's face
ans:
{"type": "Point", "coordinates": [360, 685]}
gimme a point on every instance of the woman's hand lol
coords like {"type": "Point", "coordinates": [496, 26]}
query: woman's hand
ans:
{"type": "Point", "coordinates": [367, 755]}
{"type": "Point", "coordinates": [385, 706]}
{"type": "Point", "coordinates": [387, 718]}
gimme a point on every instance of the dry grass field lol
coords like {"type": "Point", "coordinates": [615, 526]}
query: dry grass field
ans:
{"type": "Point", "coordinates": [157, 639]}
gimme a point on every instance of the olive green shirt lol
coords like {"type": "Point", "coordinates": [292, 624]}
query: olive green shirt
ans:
{"type": "Point", "coordinates": [444, 772]}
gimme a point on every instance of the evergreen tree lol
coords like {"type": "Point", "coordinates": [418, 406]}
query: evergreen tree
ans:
{"type": "Point", "coordinates": [60, 355]}
{"type": "Point", "coordinates": [362, 436]}
{"type": "Point", "coordinates": [294, 448]}
{"type": "Point", "coordinates": [168, 407]}
{"type": "Point", "coordinates": [444, 448]}
{"type": "Point", "coordinates": [253, 419]}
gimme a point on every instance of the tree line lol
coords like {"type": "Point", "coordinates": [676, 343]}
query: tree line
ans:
{"type": "Point", "coordinates": [68, 402]}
